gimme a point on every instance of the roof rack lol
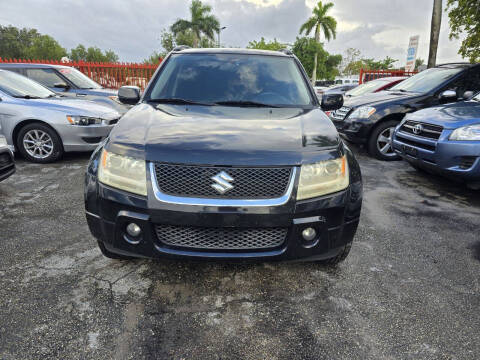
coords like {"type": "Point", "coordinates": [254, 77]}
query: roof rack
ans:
{"type": "Point", "coordinates": [286, 51]}
{"type": "Point", "coordinates": [181, 47]}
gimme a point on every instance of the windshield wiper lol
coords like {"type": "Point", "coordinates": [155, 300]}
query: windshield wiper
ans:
{"type": "Point", "coordinates": [178, 101]}
{"type": "Point", "coordinates": [244, 103]}
{"type": "Point", "coordinates": [28, 97]}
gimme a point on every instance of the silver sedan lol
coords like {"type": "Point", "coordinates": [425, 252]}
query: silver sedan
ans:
{"type": "Point", "coordinates": [42, 125]}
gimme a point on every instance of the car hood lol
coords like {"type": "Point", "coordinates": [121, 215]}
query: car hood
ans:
{"type": "Point", "coordinates": [450, 116]}
{"type": "Point", "coordinates": [74, 107]}
{"type": "Point", "coordinates": [378, 98]}
{"type": "Point", "coordinates": [219, 135]}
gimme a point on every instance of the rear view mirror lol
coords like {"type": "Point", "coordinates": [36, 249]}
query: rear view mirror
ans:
{"type": "Point", "coordinates": [61, 86]}
{"type": "Point", "coordinates": [129, 95]}
{"type": "Point", "coordinates": [331, 102]}
{"type": "Point", "coordinates": [448, 96]}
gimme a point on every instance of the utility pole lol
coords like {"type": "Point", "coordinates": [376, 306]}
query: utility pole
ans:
{"type": "Point", "coordinates": [435, 32]}
{"type": "Point", "coordinates": [219, 30]}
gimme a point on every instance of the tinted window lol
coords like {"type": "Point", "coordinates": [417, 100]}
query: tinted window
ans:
{"type": "Point", "coordinates": [20, 86]}
{"type": "Point", "coordinates": [47, 77]}
{"type": "Point", "coordinates": [212, 78]}
{"type": "Point", "coordinates": [79, 79]}
{"type": "Point", "coordinates": [427, 80]}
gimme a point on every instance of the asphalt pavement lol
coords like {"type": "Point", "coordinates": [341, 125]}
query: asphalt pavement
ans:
{"type": "Point", "coordinates": [410, 288]}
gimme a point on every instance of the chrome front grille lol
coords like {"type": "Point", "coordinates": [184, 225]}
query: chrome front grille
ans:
{"type": "Point", "coordinates": [216, 238]}
{"type": "Point", "coordinates": [340, 114]}
{"type": "Point", "coordinates": [424, 130]}
{"type": "Point", "coordinates": [248, 182]}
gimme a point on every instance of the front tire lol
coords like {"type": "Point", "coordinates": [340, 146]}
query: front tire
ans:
{"type": "Point", "coordinates": [379, 144]}
{"type": "Point", "coordinates": [39, 143]}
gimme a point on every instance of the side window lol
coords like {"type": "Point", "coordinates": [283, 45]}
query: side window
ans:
{"type": "Point", "coordinates": [472, 82]}
{"type": "Point", "coordinates": [46, 77]}
{"type": "Point", "coordinates": [457, 85]}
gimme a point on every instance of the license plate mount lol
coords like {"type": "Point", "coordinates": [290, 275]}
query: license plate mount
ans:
{"type": "Point", "coordinates": [409, 150]}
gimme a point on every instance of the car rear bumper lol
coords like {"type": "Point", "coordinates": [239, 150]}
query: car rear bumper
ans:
{"type": "Point", "coordinates": [335, 219]}
{"type": "Point", "coordinates": [459, 160]}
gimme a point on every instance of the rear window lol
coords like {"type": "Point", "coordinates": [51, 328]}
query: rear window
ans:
{"type": "Point", "coordinates": [211, 78]}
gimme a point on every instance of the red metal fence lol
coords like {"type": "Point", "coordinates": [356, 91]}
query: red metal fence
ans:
{"type": "Point", "coordinates": [109, 75]}
{"type": "Point", "coordinates": [367, 75]}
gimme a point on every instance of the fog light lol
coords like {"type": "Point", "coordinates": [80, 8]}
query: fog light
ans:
{"type": "Point", "coordinates": [309, 234]}
{"type": "Point", "coordinates": [133, 230]}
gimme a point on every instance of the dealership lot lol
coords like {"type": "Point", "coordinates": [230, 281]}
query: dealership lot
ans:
{"type": "Point", "coordinates": [409, 289]}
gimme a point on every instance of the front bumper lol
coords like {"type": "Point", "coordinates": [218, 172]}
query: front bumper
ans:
{"type": "Point", "coordinates": [83, 138]}
{"type": "Point", "coordinates": [334, 217]}
{"type": "Point", "coordinates": [458, 160]}
{"type": "Point", "coordinates": [354, 130]}
{"type": "Point", "coordinates": [7, 164]}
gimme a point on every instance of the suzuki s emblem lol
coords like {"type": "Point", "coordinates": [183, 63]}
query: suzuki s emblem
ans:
{"type": "Point", "coordinates": [222, 182]}
{"type": "Point", "coordinates": [417, 129]}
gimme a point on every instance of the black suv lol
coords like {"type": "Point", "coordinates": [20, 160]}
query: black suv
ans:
{"type": "Point", "coordinates": [227, 155]}
{"type": "Point", "coordinates": [371, 119]}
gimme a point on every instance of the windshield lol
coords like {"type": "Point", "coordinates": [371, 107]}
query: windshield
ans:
{"type": "Point", "coordinates": [19, 86]}
{"type": "Point", "coordinates": [79, 79]}
{"type": "Point", "coordinates": [426, 80]}
{"type": "Point", "coordinates": [368, 87]}
{"type": "Point", "coordinates": [232, 78]}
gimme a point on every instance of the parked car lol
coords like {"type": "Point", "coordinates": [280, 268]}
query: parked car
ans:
{"type": "Point", "coordinates": [346, 81]}
{"type": "Point", "coordinates": [215, 164]}
{"type": "Point", "coordinates": [42, 125]}
{"type": "Point", "coordinates": [443, 139]}
{"type": "Point", "coordinates": [69, 82]}
{"type": "Point", "coordinates": [340, 89]}
{"type": "Point", "coordinates": [375, 86]}
{"type": "Point", "coordinates": [7, 163]}
{"type": "Point", "coordinates": [321, 85]}
{"type": "Point", "coordinates": [371, 118]}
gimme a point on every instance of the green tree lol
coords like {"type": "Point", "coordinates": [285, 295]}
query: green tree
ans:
{"type": "Point", "coordinates": [201, 22]}
{"type": "Point", "coordinates": [154, 58]}
{"type": "Point", "coordinates": [263, 45]}
{"type": "Point", "coordinates": [419, 62]}
{"type": "Point", "coordinates": [320, 21]}
{"type": "Point", "coordinates": [464, 16]}
{"type": "Point", "coordinates": [372, 64]}
{"type": "Point", "coordinates": [44, 47]}
{"type": "Point", "coordinates": [92, 54]}
{"type": "Point", "coordinates": [305, 49]}
{"type": "Point", "coordinates": [14, 42]}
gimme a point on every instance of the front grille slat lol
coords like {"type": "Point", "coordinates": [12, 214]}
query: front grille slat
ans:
{"type": "Point", "coordinates": [216, 238]}
{"type": "Point", "coordinates": [248, 183]}
{"type": "Point", "coordinates": [340, 114]}
{"type": "Point", "coordinates": [429, 131]}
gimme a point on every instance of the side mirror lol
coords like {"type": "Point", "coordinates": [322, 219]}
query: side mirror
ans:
{"type": "Point", "coordinates": [447, 96]}
{"type": "Point", "coordinates": [129, 95]}
{"type": "Point", "coordinates": [467, 94]}
{"type": "Point", "coordinates": [61, 86]}
{"type": "Point", "coordinates": [331, 102]}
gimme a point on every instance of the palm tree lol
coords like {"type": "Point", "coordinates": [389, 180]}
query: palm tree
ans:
{"type": "Point", "coordinates": [435, 32]}
{"type": "Point", "coordinates": [320, 21]}
{"type": "Point", "coordinates": [201, 23]}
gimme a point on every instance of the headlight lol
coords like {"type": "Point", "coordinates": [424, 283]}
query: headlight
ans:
{"type": "Point", "coordinates": [324, 177]}
{"type": "Point", "coordinates": [363, 112]}
{"type": "Point", "coordinates": [470, 132]}
{"type": "Point", "coordinates": [83, 120]}
{"type": "Point", "coordinates": [123, 173]}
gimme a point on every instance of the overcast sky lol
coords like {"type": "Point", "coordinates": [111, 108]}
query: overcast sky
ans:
{"type": "Point", "coordinates": [132, 28]}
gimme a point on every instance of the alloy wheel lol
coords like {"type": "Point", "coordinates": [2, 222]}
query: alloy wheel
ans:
{"type": "Point", "coordinates": [38, 144]}
{"type": "Point", "coordinates": [384, 142]}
